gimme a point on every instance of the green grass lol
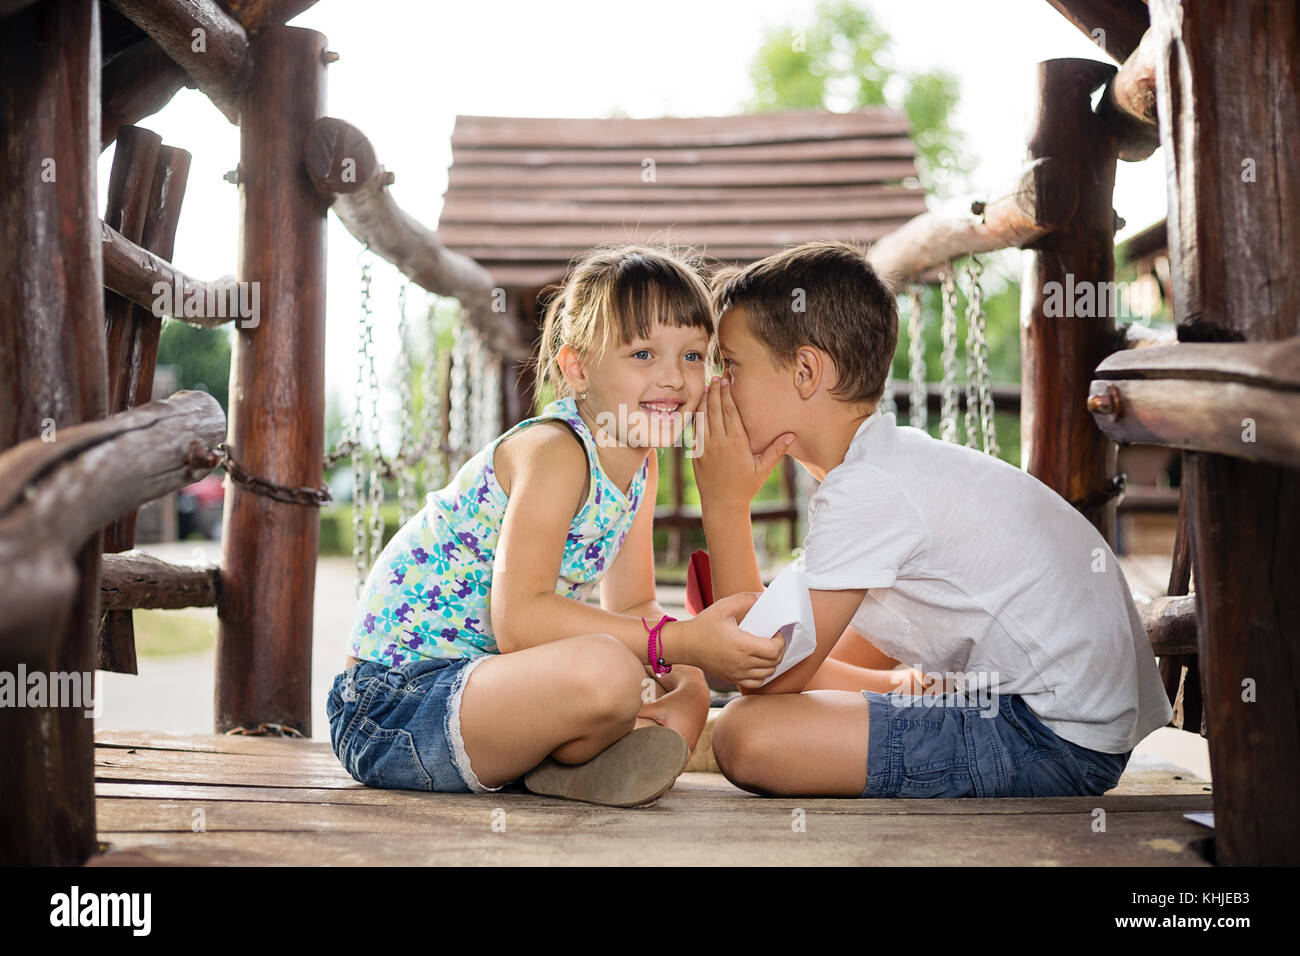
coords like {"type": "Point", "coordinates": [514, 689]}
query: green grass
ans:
{"type": "Point", "coordinates": [162, 634]}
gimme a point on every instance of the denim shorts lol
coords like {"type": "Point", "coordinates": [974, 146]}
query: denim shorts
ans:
{"type": "Point", "coordinates": [398, 728]}
{"type": "Point", "coordinates": [953, 747]}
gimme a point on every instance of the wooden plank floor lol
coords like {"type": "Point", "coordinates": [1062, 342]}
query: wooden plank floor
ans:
{"type": "Point", "coordinates": [183, 799]}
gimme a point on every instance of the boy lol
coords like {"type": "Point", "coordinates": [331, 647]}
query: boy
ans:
{"type": "Point", "coordinates": [939, 555]}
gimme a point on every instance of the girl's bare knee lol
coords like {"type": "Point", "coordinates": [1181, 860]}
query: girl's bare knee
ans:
{"type": "Point", "coordinates": [606, 678]}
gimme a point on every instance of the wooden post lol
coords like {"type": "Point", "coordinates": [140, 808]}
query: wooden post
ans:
{"type": "Point", "coordinates": [277, 395]}
{"type": "Point", "coordinates": [1060, 443]}
{"type": "Point", "coordinates": [52, 377]}
{"type": "Point", "coordinates": [1229, 105]}
{"type": "Point", "coordinates": [133, 333]}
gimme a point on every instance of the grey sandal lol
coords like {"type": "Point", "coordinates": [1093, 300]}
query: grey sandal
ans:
{"type": "Point", "coordinates": [633, 771]}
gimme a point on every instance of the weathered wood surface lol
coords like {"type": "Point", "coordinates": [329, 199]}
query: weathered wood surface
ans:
{"type": "Point", "coordinates": [207, 42]}
{"type": "Point", "coordinates": [1129, 103]}
{"type": "Point", "coordinates": [132, 342]}
{"type": "Point", "coordinates": [1227, 418]}
{"type": "Point", "coordinates": [342, 166]}
{"type": "Point", "coordinates": [1041, 199]}
{"type": "Point", "coordinates": [56, 495]}
{"type": "Point", "coordinates": [1122, 22]}
{"type": "Point", "coordinates": [132, 271]}
{"type": "Point", "coordinates": [266, 800]}
{"type": "Point", "coordinates": [277, 395]}
{"type": "Point", "coordinates": [1229, 102]}
{"type": "Point", "coordinates": [1170, 624]}
{"type": "Point", "coordinates": [1060, 444]}
{"type": "Point", "coordinates": [142, 78]}
{"type": "Point", "coordinates": [51, 377]}
{"type": "Point", "coordinates": [134, 579]}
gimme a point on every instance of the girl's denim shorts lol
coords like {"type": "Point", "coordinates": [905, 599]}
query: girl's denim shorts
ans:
{"type": "Point", "coordinates": [399, 727]}
{"type": "Point", "coordinates": [951, 746]}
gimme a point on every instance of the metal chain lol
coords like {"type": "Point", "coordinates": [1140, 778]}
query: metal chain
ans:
{"type": "Point", "coordinates": [918, 413]}
{"type": "Point", "coordinates": [405, 452]}
{"type": "Point", "coordinates": [948, 411]}
{"type": "Point", "coordinates": [355, 452]}
{"type": "Point", "coordinates": [458, 413]}
{"type": "Point", "coordinates": [265, 729]}
{"type": "Point", "coordinates": [432, 423]}
{"type": "Point", "coordinates": [315, 497]}
{"type": "Point", "coordinates": [375, 500]}
{"type": "Point", "coordinates": [976, 319]}
{"type": "Point", "coordinates": [972, 347]}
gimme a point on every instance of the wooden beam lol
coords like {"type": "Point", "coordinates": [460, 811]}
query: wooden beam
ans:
{"type": "Point", "coordinates": [133, 334]}
{"type": "Point", "coordinates": [54, 495]}
{"type": "Point", "coordinates": [277, 396]}
{"type": "Point", "coordinates": [1041, 199]}
{"type": "Point", "coordinates": [209, 44]}
{"type": "Point", "coordinates": [1238, 421]}
{"type": "Point", "coordinates": [142, 79]}
{"type": "Point", "coordinates": [51, 378]}
{"type": "Point", "coordinates": [1229, 106]}
{"type": "Point", "coordinates": [137, 83]}
{"type": "Point", "coordinates": [134, 579]}
{"type": "Point", "coordinates": [1170, 624]}
{"type": "Point", "coordinates": [1129, 104]}
{"type": "Point", "coordinates": [342, 166]}
{"type": "Point", "coordinates": [133, 271]}
{"type": "Point", "coordinates": [1060, 444]}
{"type": "Point", "coordinates": [1121, 23]}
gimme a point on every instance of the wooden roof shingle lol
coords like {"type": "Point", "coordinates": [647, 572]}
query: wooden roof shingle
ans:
{"type": "Point", "coordinates": [526, 196]}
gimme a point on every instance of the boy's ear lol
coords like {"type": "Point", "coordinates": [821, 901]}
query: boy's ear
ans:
{"type": "Point", "coordinates": [813, 369]}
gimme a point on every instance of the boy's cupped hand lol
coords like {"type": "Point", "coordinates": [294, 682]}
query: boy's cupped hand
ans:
{"type": "Point", "coordinates": [727, 472]}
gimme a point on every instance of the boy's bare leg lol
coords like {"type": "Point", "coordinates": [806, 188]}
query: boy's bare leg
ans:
{"type": "Point", "coordinates": [809, 744]}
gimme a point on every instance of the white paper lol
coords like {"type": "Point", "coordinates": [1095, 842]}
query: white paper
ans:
{"type": "Point", "coordinates": [1204, 819]}
{"type": "Point", "coordinates": [785, 607]}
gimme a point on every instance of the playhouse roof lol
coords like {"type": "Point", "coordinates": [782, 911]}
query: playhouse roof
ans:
{"type": "Point", "coordinates": [527, 195]}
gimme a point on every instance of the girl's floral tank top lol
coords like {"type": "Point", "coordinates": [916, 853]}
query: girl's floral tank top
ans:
{"type": "Point", "coordinates": [427, 594]}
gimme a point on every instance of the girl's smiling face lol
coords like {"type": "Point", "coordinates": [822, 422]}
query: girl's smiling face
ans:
{"type": "Point", "coordinates": [640, 392]}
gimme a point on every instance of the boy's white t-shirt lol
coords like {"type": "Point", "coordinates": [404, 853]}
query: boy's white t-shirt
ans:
{"type": "Point", "coordinates": [975, 567]}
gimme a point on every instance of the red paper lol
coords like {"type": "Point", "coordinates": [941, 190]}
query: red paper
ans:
{"type": "Point", "coordinates": [699, 583]}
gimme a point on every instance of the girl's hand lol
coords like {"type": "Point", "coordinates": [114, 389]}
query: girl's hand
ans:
{"type": "Point", "coordinates": [726, 471]}
{"type": "Point", "coordinates": [716, 643]}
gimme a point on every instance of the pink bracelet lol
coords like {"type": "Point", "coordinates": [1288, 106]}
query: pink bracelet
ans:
{"type": "Point", "coordinates": [654, 656]}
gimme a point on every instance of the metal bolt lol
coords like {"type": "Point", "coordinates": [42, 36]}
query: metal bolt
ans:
{"type": "Point", "coordinates": [1105, 403]}
{"type": "Point", "coordinates": [977, 207]}
{"type": "Point", "coordinates": [233, 176]}
{"type": "Point", "coordinates": [387, 178]}
{"type": "Point", "coordinates": [329, 56]}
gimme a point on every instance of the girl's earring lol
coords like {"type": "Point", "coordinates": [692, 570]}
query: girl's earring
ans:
{"type": "Point", "coordinates": [582, 397]}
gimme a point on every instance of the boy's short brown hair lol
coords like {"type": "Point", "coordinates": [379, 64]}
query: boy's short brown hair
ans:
{"type": "Point", "coordinates": [847, 311]}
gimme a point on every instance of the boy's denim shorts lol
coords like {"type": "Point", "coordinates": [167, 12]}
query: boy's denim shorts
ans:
{"type": "Point", "coordinates": [399, 727]}
{"type": "Point", "coordinates": [953, 747]}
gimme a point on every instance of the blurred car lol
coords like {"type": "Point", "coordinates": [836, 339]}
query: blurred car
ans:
{"type": "Point", "coordinates": [199, 507]}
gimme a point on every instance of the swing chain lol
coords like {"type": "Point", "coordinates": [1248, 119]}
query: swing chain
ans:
{"type": "Point", "coordinates": [405, 458]}
{"type": "Point", "coordinates": [375, 499]}
{"type": "Point", "coordinates": [433, 470]}
{"type": "Point", "coordinates": [354, 439]}
{"type": "Point", "coordinates": [976, 322]}
{"type": "Point", "coordinates": [918, 412]}
{"type": "Point", "coordinates": [948, 411]}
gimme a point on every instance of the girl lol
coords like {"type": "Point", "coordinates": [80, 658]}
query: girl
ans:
{"type": "Point", "coordinates": [474, 658]}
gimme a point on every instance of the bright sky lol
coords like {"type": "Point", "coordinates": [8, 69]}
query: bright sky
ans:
{"type": "Point", "coordinates": [408, 67]}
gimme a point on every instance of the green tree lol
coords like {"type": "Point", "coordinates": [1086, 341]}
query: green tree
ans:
{"type": "Point", "coordinates": [201, 358]}
{"type": "Point", "coordinates": [841, 61]}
